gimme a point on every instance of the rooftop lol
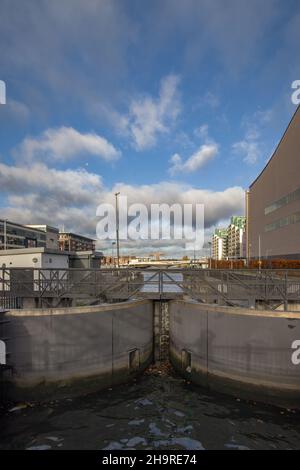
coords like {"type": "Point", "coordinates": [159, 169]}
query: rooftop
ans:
{"type": "Point", "coordinates": [21, 225]}
{"type": "Point", "coordinates": [77, 235]}
{"type": "Point", "coordinates": [23, 251]}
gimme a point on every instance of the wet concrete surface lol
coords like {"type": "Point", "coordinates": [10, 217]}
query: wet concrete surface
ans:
{"type": "Point", "coordinates": [157, 411]}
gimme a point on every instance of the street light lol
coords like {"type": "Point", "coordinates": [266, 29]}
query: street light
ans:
{"type": "Point", "coordinates": [117, 229]}
{"type": "Point", "coordinates": [112, 252]}
{"type": "Point", "coordinates": [5, 233]}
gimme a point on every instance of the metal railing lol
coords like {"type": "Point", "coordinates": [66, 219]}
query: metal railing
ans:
{"type": "Point", "coordinates": [228, 287]}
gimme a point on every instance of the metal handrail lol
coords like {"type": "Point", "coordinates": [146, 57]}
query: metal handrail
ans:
{"type": "Point", "coordinates": [227, 286]}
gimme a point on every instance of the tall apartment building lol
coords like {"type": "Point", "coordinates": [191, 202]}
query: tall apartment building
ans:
{"type": "Point", "coordinates": [72, 242]}
{"type": "Point", "coordinates": [236, 238]}
{"type": "Point", "coordinates": [13, 235]}
{"type": "Point", "coordinates": [230, 242]}
{"type": "Point", "coordinates": [219, 244]}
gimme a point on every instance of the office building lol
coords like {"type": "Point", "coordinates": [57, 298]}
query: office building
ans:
{"type": "Point", "coordinates": [13, 235]}
{"type": "Point", "coordinates": [52, 235]}
{"type": "Point", "coordinates": [72, 242]}
{"type": "Point", "coordinates": [273, 201]}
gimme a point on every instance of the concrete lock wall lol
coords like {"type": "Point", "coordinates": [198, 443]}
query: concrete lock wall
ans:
{"type": "Point", "coordinates": [57, 351]}
{"type": "Point", "coordinates": [239, 351]}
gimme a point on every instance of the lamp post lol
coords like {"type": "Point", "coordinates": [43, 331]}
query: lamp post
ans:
{"type": "Point", "coordinates": [5, 233]}
{"type": "Point", "coordinates": [113, 253]}
{"type": "Point", "coordinates": [249, 254]}
{"type": "Point", "coordinates": [117, 229]}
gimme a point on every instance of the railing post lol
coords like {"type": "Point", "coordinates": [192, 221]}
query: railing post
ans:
{"type": "Point", "coordinates": [160, 283]}
{"type": "Point", "coordinates": [285, 292]}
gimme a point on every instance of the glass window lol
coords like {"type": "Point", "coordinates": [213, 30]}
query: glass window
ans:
{"type": "Point", "coordinates": [291, 219]}
{"type": "Point", "coordinates": [291, 197]}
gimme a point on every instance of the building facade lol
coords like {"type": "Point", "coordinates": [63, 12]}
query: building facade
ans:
{"type": "Point", "coordinates": [42, 258]}
{"type": "Point", "coordinates": [236, 238]}
{"type": "Point", "coordinates": [230, 242]}
{"type": "Point", "coordinates": [13, 235]}
{"type": "Point", "coordinates": [273, 201]}
{"type": "Point", "coordinates": [86, 260]}
{"type": "Point", "coordinates": [72, 242]}
{"type": "Point", "coordinates": [52, 235]}
{"type": "Point", "coordinates": [219, 244]}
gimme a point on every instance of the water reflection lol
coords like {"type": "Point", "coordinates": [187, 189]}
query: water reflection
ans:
{"type": "Point", "coordinates": [169, 281]}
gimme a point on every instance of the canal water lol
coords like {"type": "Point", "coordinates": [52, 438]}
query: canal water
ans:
{"type": "Point", "coordinates": [157, 411]}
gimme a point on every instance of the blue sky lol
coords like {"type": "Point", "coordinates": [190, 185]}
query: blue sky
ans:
{"type": "Point", "coordinates": [166, 100]}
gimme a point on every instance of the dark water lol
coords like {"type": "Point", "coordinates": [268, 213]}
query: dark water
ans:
{"type": "Point", "coordinates": [158, 411]}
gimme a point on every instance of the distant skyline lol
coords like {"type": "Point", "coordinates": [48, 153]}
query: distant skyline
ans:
{"type": "Point", "coordinates": [165, 101]}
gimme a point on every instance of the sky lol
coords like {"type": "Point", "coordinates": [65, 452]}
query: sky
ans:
{"type": "Point", "coordinates": [165, 101]}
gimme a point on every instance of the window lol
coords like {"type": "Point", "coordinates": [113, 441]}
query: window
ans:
{"type": "Point", "coordinates": [291, 219]}
{"type": "Point", "coordinates": [291, 197]}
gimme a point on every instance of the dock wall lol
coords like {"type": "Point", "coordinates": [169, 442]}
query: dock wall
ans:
{"type": "Point", "coordinates": [63, 350]}
{"type": "Point", "coordinates": [244, 352]}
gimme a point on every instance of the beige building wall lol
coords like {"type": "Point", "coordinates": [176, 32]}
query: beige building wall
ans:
{"type": "Point", "coordinates": [279, 179]}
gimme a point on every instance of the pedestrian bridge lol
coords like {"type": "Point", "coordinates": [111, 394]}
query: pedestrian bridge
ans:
{"type": "Point", "coordinates": [267, 289]}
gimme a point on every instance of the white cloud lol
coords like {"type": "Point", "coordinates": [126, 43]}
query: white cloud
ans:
{"type": "Point", "coordinates": [38, 194]}
{"type": "Point", "coordinates": [69, 187]}
{"type": "Point", "coordinates": [218, 205]}
{"type": "Point", "coordinates": [202, 156]}
{"type": "Point", "coordinates": [249, 150]}
{"type": "Point", "coordinates": [199, 158]}
{"type": "Point", "coordinates": [149, 117]}
{"type": "Point", "coordinates": [250, 147]}
{"type": "Point", "coordinates": [65, 143]}
{"type": "Point", "coordinates": [202, 132]}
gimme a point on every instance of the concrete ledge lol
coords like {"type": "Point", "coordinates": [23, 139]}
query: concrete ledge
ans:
{"type": "Point", "coordinates": [239, 351]}
{"type": "Point", "coordinates": [238, 310]}
{"type": "Point", "coordinates": [76, 310]}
